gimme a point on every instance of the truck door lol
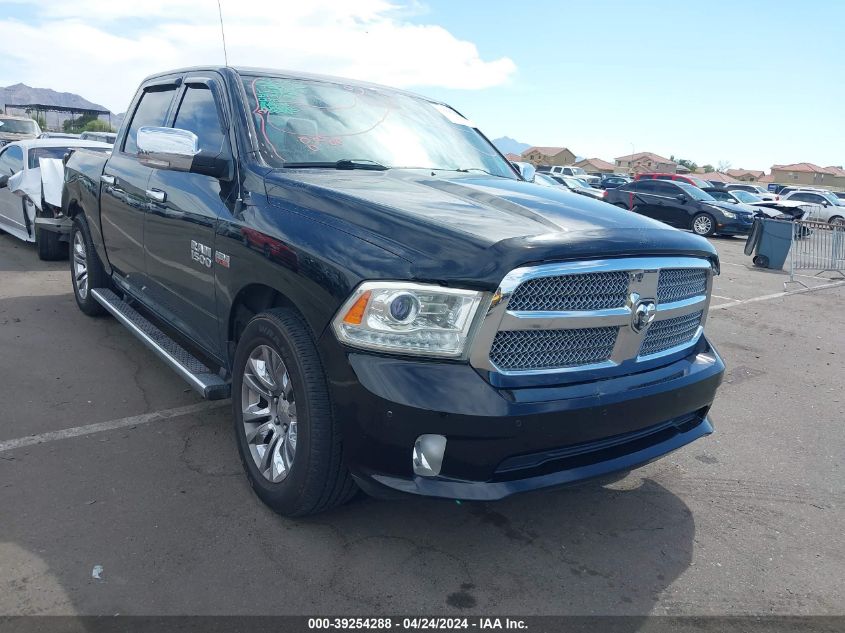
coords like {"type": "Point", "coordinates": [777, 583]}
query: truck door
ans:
{"type": "Point", "coordinates": [180, 227]}
{"type": "Point", "coordinates": [123, 201]}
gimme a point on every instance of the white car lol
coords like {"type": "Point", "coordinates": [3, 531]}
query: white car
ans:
{"type": "Point", "coordinates": [23, 212]}
{"type": "Point", "coordinates": [575, 172]}
{"type": "Point", "coordinates": [828, 207]}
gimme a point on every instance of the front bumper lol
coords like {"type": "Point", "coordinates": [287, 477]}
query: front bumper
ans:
{"type": "Point", "coordinates": [502, 441]}
{"type": "Point", "coordinates": [60, 225]}
{"type": "Point", "coordinates": [725, 226]}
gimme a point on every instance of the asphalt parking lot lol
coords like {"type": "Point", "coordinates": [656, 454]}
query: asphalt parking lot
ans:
{"type": "Point", "coordinates": [748, 520]}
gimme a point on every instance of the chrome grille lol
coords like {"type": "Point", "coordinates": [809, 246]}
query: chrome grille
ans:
{"type": "Point", "coordinates": [542, 349]}
{"type": "Point", "coordinates": [591, 291]}
{"type": "Point", "coordinates": [585, 315]}
{"type": "Point", "coordinates": [670, 333]}
{"type": "Point", "coordinates": [677, 284]}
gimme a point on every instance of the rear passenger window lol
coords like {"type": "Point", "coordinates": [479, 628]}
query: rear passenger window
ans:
{"type": "Point", "coordinates": [152, 110]}
{"type": "Point", "coordinates": [198, 114]}
{"type": "Point", "coordinates": [647, 186]}
{"type": "Point", "coordinates": [666, 188]}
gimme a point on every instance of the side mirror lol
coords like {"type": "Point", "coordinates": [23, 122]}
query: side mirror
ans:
{"type": "Point", "coordinates": [167, 148]}
{"type": "Point", "coordinates": [177, 150]}
{"type": "Point", "coordinates": [4, 181]}
{"type": "Point", "coordinates": [526, 170]}
{"type": "Point", "coordinates": [682, 198]}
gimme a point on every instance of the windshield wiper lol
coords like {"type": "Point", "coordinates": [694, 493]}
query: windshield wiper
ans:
{"type": "Point", "coordinates": [344, 163]}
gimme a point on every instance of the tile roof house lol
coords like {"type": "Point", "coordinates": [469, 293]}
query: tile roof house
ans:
{"type": "Point", "coordinates": [718, 176]}
{"type": "Point", "coordinates": [645, 162]}
{"type": "Point", "coordinates": [541, 155]}
{"type": "Point", "coordinates": [805, 174]}
{"type": "Point", "coordinates": [513, 157]}
{"type": "Point", "coordinates": [746, 175]}
{"type": "Point", "coordinates": [596, 165]}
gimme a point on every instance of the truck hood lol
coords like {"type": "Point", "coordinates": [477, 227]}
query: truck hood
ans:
{"type": "Point", "coordinates": [470, 229]}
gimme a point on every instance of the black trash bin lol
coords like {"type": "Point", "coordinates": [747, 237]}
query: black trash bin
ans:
{"type": "Point", "coordinates": [769, 242]}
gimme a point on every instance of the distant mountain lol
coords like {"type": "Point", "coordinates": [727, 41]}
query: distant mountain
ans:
{"type": "Point", "coordinates": [507, 145]}
{"type": "Point", "coordinates": [24, 95]}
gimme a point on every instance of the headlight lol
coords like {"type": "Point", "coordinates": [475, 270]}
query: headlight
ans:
{"type": "Point", "coordinates": [728, 214]}
{"type": "Point", "coordinates": [407, 318]}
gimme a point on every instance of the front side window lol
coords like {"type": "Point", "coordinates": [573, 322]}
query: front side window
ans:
{"type": "Point", "coordinates": [152, 110]}
{"type": "Point", "coordinates": [695, 193]}
{"type": "Point", "coordinates": [311, 122]}
{"type": "Point", "coordinates": [198, 114]}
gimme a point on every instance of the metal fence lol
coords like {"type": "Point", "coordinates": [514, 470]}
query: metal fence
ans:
{"type": "Point", "coordinates": [817, 246]}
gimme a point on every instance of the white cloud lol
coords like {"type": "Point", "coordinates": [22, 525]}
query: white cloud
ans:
{"type": "Point", "coordinates": [101, 49]}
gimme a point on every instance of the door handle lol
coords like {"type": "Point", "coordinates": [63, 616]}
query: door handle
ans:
{"type": "Point", "coordinates": [107, 180]}
{"type": "Point", "coordinates": [156, 194]}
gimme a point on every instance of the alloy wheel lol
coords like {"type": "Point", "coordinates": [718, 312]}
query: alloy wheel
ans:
{"type": "Point", "coordinates": [702, 225]}
{"type": "Point", "coordinates": [80, 265]}
{"type": "Point", "coordinates": [269, 416]}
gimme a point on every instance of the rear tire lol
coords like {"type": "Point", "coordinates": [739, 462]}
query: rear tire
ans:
{"type": "Point", "coordinates": [49, 246]}
{"type": "Point", "coordinates": [837, 220]}
{"type": "Point", "coordinates": [86, 269]}
{"type": "Point", "coordinates": [703, 224]}
{"type": "Point", "coordinates": [288, 437]}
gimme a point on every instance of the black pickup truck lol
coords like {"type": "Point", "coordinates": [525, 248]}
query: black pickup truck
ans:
{"type": "Point", "coordinates": [390, 305]}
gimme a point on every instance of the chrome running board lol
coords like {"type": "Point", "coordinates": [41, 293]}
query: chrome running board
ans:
{"type": "Point", "coordinates": [208, 384]}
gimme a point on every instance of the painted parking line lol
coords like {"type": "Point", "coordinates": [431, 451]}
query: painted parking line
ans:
{"type": "Point", "coordinates": [99, 427]}
{"type": "Point", "coordinates": [776, 295]}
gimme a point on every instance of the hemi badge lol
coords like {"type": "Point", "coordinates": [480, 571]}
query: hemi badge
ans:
{"type": "Point", "coordinates": [222, 259]}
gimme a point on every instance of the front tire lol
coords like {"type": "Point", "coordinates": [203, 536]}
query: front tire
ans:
{"type": "Point", "coordinates": [837, 220]}
{"type": "Point", "coordinates": [288, 438]}
{"type": "Point", "coordinates": [703, 224]}
{"type": "Point", "coordinates": [86, 269]}
{"type": "Point", "coordinates": [49, 246]}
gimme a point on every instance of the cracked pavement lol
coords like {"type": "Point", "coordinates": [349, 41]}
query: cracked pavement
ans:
{"type": "Point", "coordinates": [745, 521]}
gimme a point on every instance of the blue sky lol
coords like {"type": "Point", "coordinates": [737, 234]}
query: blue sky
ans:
{"type": "Point", "coordinates": [752, 83]}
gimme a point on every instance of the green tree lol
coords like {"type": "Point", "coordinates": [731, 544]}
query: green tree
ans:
{"type": "Point", "coordinates": [97, 125]}
{"type": "Point", "coordinates": [708, 168]}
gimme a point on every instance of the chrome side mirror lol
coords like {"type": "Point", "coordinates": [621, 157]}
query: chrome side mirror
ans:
{"type": "Point", "coordinates": [526, 170]}
{"type": "Point", "coordinates": [167, 148]}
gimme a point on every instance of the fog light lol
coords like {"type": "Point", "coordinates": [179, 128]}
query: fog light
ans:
{"type": "Point", "coordinates": [428, 455]}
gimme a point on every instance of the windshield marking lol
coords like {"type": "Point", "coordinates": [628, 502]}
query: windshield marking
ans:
{"type": "Point", "coordinates": [278, 100]}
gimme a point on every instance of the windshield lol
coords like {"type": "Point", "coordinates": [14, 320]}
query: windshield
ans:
{"type": "Point", "coordinates": [745, 196]}
{"type": "Point", "coordinates": [311, 122]}
{"type": "Point", "coordinates": [577, 171]}
{"type": "Point", "coordinates": [18, 126]}
{"type": "Point", "coordinates": [54, 152]}
{"type": "Point", "coordinates": [573, 183]}
{"type": "Point", "coordinates": [695, 193]}
{"type": "Point", "coordinates": [544, 180]}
